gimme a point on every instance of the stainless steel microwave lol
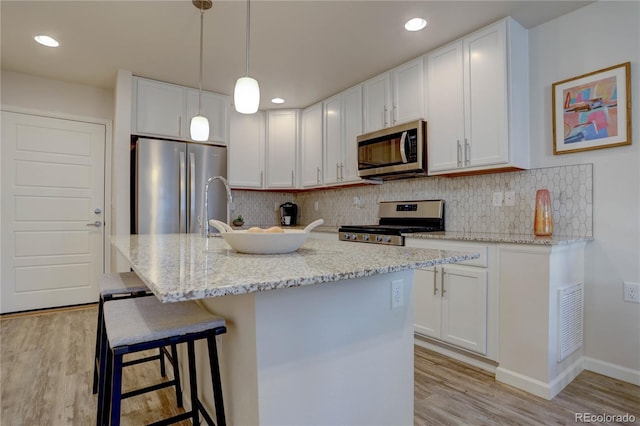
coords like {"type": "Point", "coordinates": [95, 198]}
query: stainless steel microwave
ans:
{"type": "Point", "coordinates": [394, 152]}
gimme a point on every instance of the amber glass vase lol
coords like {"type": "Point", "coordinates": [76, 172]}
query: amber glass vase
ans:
{"type": "Point", "coordinates": [543, 219]}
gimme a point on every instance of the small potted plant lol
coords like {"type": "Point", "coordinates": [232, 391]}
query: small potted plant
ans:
{"type": "Point", "coordinates": [238, 221]}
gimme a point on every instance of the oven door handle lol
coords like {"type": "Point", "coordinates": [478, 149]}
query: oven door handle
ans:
{"type": "Point", "coordinates": [403, 149]}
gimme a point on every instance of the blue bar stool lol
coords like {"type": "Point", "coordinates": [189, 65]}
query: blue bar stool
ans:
{"type": "Point", "coordinates": [138, 324]}
{"type": "Point", "coordinates": [116, 286]}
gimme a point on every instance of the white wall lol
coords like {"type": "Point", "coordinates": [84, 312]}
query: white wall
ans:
{"type": "Point", "coordinates": [600, 35]}
{"type": "Point", "coordinates": [54, 96]}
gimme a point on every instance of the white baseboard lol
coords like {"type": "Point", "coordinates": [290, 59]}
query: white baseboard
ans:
{"type": "Point", "coordinates": [612, 370]}
{"type": "Point", "coordinates": [537, 387]}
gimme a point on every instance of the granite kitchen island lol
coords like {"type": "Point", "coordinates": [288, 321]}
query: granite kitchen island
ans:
{"type": "Point", "coordinates": [313, 336]}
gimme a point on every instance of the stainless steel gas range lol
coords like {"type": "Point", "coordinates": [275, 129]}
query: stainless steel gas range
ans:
{"type": "Point", "coordinates": [395, 219]}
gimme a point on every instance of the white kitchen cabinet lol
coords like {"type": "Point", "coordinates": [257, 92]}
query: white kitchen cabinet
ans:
{"type": "Point", "coordinates": [311, 146]}
{"type": "Point", "coordinates": [158, 108]}
{"type": "Point", "coordinates": [216, 108]}
{"type": "Point", "coordinates": [247, 150]}
{"type": "Point", "coordinates": [395, 97]}
{"type": "Point", "coordinates": [458, 304]}
{"type": "Point", "coordinates": [342, 125]}
{"type": "Point", "coordinates": [282, 143]}
{"type": "Point", "coordinates": [451, 305]}
{"type": "Point", "coordinates": [165, 110]}
{"type": "Point", "coordinates": [477, 104]}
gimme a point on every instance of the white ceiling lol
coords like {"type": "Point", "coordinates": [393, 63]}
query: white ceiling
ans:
{"type": "Point", "coordinates": [302, 51]}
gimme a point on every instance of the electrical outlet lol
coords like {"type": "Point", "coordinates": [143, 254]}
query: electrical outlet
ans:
{"type": "Point", "coordinates": [397, 294]}
{"type": "Point", "coordinates": [510, 198]}
{"type": "Point", "coordinates": [276, 206]}
{"type": "Point", "coordinates": [631, 292]}
{"type": "Point", "coordinates": [316, 206]}
{"type": "Point", "coordinates": [497, 199]}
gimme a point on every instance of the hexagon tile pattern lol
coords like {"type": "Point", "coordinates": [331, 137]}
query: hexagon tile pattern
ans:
{"type": "Point", "coordinates": [468, 201]}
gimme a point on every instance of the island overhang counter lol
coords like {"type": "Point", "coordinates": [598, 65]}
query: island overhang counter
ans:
{"type": "Point", "coordinates": [313, 337]}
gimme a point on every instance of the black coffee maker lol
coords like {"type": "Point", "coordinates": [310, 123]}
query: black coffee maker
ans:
{"type": "Point", "coordinates": [288, 214]}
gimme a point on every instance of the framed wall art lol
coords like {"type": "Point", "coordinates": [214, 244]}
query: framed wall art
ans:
{"type": "Point", "coordinates": [592, 111]}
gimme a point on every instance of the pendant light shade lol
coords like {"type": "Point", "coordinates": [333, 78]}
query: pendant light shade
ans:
{"type": "Point", "coordinates": [246, 95]}
{"type": "Point", "coordinates": [199, 128]}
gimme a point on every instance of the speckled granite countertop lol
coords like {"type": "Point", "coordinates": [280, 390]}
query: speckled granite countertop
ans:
{"type": "Point", "coordinates": [180, 267]}
{"type": "Point", "coordinates": [485, 237]}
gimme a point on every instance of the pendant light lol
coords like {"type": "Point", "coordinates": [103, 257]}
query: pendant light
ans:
{"type": "Point", "coordinates": [246, 95]}
{"type": "Point", "coordinates": [199, 128]}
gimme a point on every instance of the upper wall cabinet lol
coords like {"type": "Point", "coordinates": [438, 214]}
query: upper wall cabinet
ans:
{"type": "Point", "coordinates": [247, 150]}
{"type": "Point", "coordinates": [342, 125]}
{"type": "Point", "coordinates": [311, 147]}
{"type": "Point", "coordinates": [165, 110]}
{"type": "Point", "coordinates": [478, 102]}
{"type": "Point", "coordinates": [394, 97]}
{"type": "Point", "coordinates": [282, 153]}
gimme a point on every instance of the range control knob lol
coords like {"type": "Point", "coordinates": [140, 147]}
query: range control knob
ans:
{"type": "Point", "coordinates": [365, 237]}
{"type": "Point", "coordinates": [387, 239]}
{"type": "Point", "coordinates": [378, 238]}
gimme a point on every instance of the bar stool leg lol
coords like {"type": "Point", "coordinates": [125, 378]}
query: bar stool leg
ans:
{"type": "Point", "coordinates": [193, 384]}
{"type": "Point", "coordinates": [215, 379]}
{"type": "Point", "coordinates": [116, 389]}
{"type": "Point", "coordinates": [99, 334]}
{"type": "Point", "coordinates": [176, 375]}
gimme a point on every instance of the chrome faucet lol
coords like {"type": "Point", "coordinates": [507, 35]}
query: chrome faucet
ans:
{"type": "Point", "coordinates": [205, 213]}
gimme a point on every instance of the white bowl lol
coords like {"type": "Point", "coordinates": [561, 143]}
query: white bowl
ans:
{"type": "Point", "coordinates": [264, 242]}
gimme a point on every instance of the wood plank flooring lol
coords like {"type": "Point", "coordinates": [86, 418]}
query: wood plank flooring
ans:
{"type": "Point", "coordinates": [46, 376]}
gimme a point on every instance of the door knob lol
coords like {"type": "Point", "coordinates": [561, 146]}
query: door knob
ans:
{"type": "Point", "coordinates": [97, 211]}
{"type": "Point", "coordinates": [97, 224]}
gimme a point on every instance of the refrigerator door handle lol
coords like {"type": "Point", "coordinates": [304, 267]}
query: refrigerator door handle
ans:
{"type": "Point", "coordinates": [183, 193]}
{"type": "Point", "coordinates": [192, 192]}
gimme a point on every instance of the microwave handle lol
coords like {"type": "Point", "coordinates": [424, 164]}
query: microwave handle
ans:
{"type": "Point", "coordinates": [403, 151]}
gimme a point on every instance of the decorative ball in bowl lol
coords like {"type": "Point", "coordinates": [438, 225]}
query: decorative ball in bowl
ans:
{"type": "Point", "coordinates": [273, 240]}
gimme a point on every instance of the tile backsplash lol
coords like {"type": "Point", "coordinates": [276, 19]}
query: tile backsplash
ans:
{"type": "Point", "coordinates": [468, 201]}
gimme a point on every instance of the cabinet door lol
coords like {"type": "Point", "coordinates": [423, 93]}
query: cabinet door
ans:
{"type": "Point", "coordinates": [333, 139]}
{"type": "Point", "coordinates": [445, 108]}
{"type": "Point", "coordinates": [311, 146]}
{"type": "Point", "coordinates": [485, 76]}
{"type": "Point", "coordinates": [282, 133]}
{"type": "Point", "coordinates": [464, 307]}
{"type": "Point", "coordinates": [246, 150]}
{"type": "Point", "coordinates": [352, 126]}
{"type": "Point", "coordinates": [159, 108]}
{"type": "Point", "coordinates": [427, 302]}
{"type": "Point", "coordinates": [408, 91]}
{"type": "Point", "coordinates": [376, 102]}
{"type": "Point", "coordinates": [216, 108]}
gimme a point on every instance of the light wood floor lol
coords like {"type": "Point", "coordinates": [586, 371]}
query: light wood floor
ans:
{"type": "Point", "coordinates": [46, 376]}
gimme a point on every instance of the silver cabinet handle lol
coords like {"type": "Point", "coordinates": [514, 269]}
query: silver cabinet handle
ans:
{"type": "Point", "coordinates": [337, 171]}
{"type": "Point", "coordinates": [444, 291]}
{"type": "Point", "coordinates": [261, 178]}
{"type": "Point", "coordinates": [394, 117]}
{"type": "Point", "coordinates": [341, 171]}
{"type": "Point", "coordinates": [459, 153]}
{"type": "Point", "coordinates": [384, 116]}
{"type": "Point", "coordinates": [97, 224]}
{"type": "Point", "coordinates": [292, 179]}
{"type": "Point", "coordinates": [435, 286]}
{"type": "Point", "coordinates": [318, 175]}
{"type": "Point", "coordinates": [97, 211]}
{"type": "Point", "coordinates": [467, 152]}
{"type": "Point", "coordinates": [180, 125]}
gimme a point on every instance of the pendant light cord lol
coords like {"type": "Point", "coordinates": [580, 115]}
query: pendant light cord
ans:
{"type": "Point", "coordinates": [201, 66]}
{"type": "Point", "coordinates": [248, 34]}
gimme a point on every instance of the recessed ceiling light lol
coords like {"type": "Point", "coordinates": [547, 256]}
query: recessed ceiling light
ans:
{"type": "Point", "coordinates": [277, 100]}
{"type": "Point", "coordinates": [46, 41]}
{"type": "Point", "coordinates": [415, 24]}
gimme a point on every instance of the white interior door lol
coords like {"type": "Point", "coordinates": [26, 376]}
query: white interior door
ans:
{"type": "Point", "coordinates": [52, 204]}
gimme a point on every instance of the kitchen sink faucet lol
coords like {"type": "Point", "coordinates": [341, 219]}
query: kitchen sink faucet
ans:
{"type": "Point", "coordinates": [205, 213]}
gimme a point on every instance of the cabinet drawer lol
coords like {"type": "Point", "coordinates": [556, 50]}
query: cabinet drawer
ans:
{"type": "Point", "coordinates": [482, 261]}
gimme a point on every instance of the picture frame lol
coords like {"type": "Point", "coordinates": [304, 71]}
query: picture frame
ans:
{"type": "Point", "coordinates": [592, 111]}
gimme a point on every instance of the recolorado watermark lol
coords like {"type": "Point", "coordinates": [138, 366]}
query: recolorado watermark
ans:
{"type": "Point", "coordinates": [604, 418]}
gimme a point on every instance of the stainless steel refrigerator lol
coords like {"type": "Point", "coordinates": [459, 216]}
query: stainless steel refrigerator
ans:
{"type": "Point", "coordinates": [167, 185]}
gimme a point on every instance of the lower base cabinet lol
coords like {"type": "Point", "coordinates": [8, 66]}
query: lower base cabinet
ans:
{"type": "Point", "coordinates": [451, 305]}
